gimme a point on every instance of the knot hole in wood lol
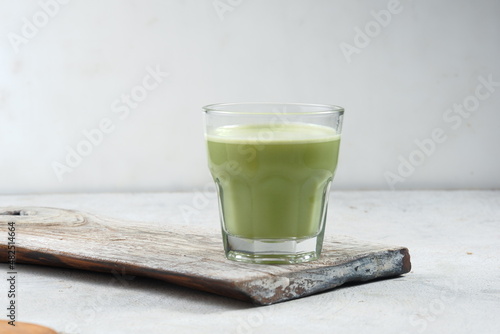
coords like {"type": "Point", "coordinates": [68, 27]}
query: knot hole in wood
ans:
{"type": "Point", "coordinates": [15, 213]}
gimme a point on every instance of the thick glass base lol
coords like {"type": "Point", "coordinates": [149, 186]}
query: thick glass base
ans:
{"type": "Point", "coordinates": [272, 251]}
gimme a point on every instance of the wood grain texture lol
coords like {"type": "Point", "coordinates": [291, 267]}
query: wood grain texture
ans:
{"type": "Point", "coordinates": [188, 256]}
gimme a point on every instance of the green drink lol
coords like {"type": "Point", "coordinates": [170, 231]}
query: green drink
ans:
{"type": "Point", "coordinates": [273, 165]}
{"type": "Point", "coordinates": [273, 187]}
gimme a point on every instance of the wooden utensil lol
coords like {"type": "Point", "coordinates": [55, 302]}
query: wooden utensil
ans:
{"type": "Point", "coordinates": [23, 328]}
{"type": "Point", "coordinates": [190, 256]}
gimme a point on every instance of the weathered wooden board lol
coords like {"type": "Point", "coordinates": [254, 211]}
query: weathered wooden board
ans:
{"type": "Point", "coordinates": [188, 255]}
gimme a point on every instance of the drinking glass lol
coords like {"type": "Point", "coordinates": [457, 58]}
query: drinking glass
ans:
{"type": "Point", "coordinates": [273, 164]}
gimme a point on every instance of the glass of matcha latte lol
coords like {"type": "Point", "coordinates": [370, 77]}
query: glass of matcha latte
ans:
{"type": "Point", "coordinates": [273, 164]}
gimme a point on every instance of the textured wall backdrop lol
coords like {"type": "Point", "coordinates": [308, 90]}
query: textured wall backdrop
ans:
{"type": "Point", "coordinates": [107, 95]}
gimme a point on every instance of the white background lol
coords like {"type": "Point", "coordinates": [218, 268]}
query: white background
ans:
{"type": "Point", "coordinates": [63, 79]}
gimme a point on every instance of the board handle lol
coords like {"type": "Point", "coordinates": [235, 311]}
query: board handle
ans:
{"type": "Point", "coordinates": [41, 216]}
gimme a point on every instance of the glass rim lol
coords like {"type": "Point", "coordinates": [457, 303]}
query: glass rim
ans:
{"type": "Point", "coordinates": [318, 109]}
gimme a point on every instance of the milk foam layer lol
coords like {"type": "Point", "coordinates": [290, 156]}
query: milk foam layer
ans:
{"type": "Point", "coordinates": [273, 134]}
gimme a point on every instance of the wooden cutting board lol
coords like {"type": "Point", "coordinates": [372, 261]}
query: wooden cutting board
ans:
{"type": "Point", "coordinates": [190, 256]}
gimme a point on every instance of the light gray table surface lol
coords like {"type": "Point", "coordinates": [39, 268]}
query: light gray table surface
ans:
{"type": "Point", "coordinates": [454, 285]}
